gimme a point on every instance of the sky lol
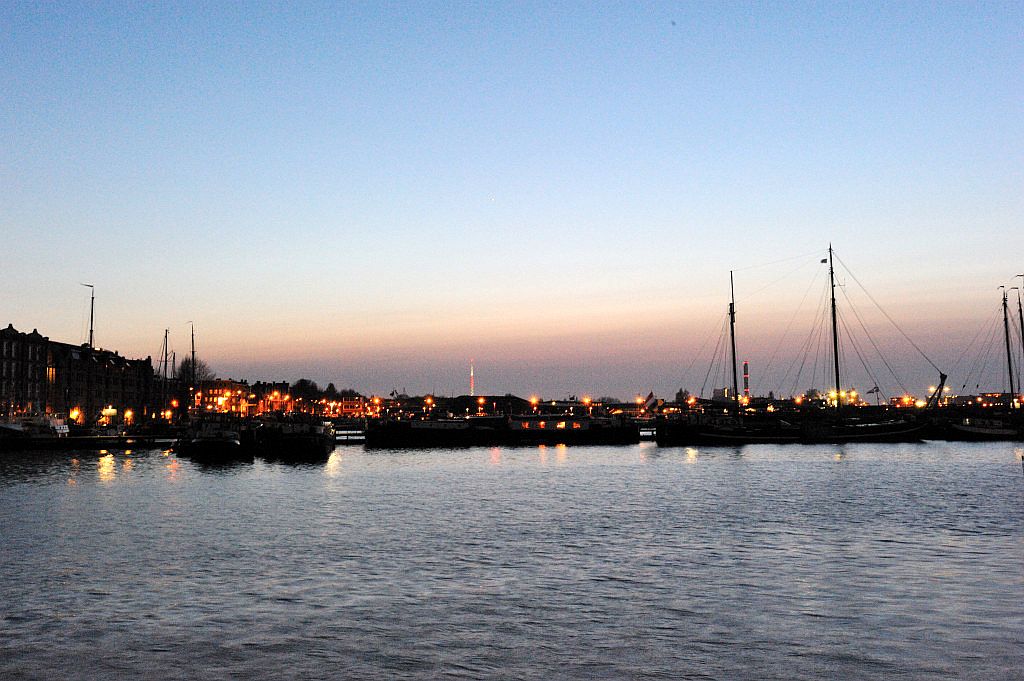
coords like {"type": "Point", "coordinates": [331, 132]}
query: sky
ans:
{"type": "Point", "coordinates": [373, 194]}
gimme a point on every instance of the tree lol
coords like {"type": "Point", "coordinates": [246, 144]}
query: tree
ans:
{"type": "Point", "coordinates": [203, 372]}
{"type": "Point", "coordinates": [330, 392]}
{"type": "Point", "coordinates": [306, 389]}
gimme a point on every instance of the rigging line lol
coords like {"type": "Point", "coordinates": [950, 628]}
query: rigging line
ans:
{"type": "Point", "coordinates": [805, 347]}
{"type": "Point", "coordinates": [819, 312]}
{"type": "Point", "coordinates": [843, 340]}
{"type": "Point", "coordinates": [816, 253]}
{"type": "Point", "coordinates": [819, 352]}
{"type": "Point", "coordinates": [803, 360]}
{"type": "Point", "coordinates": [714, 357]}
{"type": "Point", "coordinates": [1015, 345]}
{"type": "Point", "coordinates": [857, 351]}
{"type": "Point", "coordinates": [967, 350]}
{"type": "Point", "coordinates": [986, 331]}
{"type": "Point", "coordinates": [841, 350]}
{"type": "Point", "coordinates": [693, 358]}
{"type": "Point", "coordinates": [873, 343]}
{"type": "Point", "coordinates": [801, 348]}
{"type": "Point", "coordinates": [825, 351]}
{"type": "Point", "coordinates": [891, 320]}
{"type": "Point", "coordinates": [989, 350]}
{"type": "Point", "coordinates": [719, 364]}
{"type": "Point", "coordinates": [788, 274]}
{"type": "Point", "coordinates": [771, 358]}
{"type": "Point", "coordinates": [816, 341]}
{"type": "Point", "coordinates": [724, 374]}
{"type": "Point", "coordinates": [721, 367]}
{"type": "Point", "coordinates": [988, 355]}
{"type": "Point", "coordinates": [712, 363]}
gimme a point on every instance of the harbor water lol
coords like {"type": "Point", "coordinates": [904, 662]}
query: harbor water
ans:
{"type": "Point", "coordinates": [762, 562]}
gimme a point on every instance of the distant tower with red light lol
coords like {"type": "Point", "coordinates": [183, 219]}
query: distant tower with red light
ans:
{"type": "Point", "coordinates": [746, 378]}
{"type": "Point", "coordinates": [472, 386]}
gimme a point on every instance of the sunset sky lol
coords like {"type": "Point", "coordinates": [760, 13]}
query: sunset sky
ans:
{"type": "Point", "coordinates": [374, 193]}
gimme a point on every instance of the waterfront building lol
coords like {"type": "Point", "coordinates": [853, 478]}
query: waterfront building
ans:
{"type": "Point", "coordinates": [226, 396]}
{"type": "Point", "coordinates": [272, 396]}
{"type": "Point", "coordinates": [42, 376]}
{"type": "Point", "coordinates": [100, 385]}
{"type": "Point", "coordinates": [346, 406]}
{"type": "Point", "coordinates": [23, 375]}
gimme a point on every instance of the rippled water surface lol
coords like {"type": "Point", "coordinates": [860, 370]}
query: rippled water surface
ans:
{"type": "Point", "coordinates": [870, 561]}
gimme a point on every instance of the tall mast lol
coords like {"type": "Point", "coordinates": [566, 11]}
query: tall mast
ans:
{"type": "Point", "coordinates": [1020, 317]}
{"type": "Point", "coordinates": [192, 373]}
{"type": "Point", "coordinates": [732, 340]}
{"type": "Point", "coordinates": [92, 310]}
{"type": "Point", "coordinates": [1009, 358]}
{"type": "Point", "coordinates": [164, 385]}
{"type": "Point", "coordinates": [835, 325]}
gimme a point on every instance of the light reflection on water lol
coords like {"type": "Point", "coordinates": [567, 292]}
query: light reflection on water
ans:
{"type": "Point", "coordinates": [332, 468]}
{"type": "Point", "coordinates": [106, 467]}
{"type": "Point", "coordinates": [628, 562]}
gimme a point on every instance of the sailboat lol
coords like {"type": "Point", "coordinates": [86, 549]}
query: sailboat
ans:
{"type": "Point", "coordinates": [970, 424]}
{"type": "Point", "coordinates": [734, 427]}
{"type": "Point", "coordinates": [851, 424]}
{"type": "Point", "coordinates": [836, 425]}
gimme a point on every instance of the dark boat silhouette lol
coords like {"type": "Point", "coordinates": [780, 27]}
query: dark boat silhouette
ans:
{"type": "Point", "coordinates": [213, 442]}
{"type": "Point", "coordinates": [836, 425]}
{"type": "Point", "coordinates": [514, 430]}
{"type": "Point", "coordinates": [294, 438]}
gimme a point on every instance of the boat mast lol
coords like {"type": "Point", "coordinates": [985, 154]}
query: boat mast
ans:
{"type": "Point", "coordinates": [1020, 317]}
{"type": "Point", "coordinates": [835, 326]}
{"type": "Point", "coordinates": [1009, 358]}
{"type": "Point", "coordinates": [163, 395]}
{"type": "Point", "coordinates": [192, 369]}
{"type": "Point", "coordinates": [732, 339]}
{"type": "Point", "coordinates": [92, 310]}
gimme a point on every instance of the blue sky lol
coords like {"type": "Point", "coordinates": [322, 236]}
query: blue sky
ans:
{"type": "Point", "coordinates": [374, 193]}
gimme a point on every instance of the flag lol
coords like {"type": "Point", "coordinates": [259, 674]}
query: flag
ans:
{"type": "Point", "coordinates": [824, 260]}
{"type": "Point", "coordinates": [873, 390]}
{"type": "Point", "coordinates": [651, 399]}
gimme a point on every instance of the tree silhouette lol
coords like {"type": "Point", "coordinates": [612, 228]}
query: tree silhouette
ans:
{"type": "Point", "coordinates": [203, 372]}
{"type": "Point", "coordinates": [306, 389]}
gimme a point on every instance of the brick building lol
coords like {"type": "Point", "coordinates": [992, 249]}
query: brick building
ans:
{"type": "Point", "coordinates": [23, 371]}
{"type": "Point", "coordinates": [38, 375]}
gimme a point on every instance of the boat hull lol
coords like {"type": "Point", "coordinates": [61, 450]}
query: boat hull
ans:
{"type": "Point", "coordinates": [213, 450]}
{"type": "Point", "coordinates": [692, 431]}
{"type": "Point", "coordinates": [492, 432]}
